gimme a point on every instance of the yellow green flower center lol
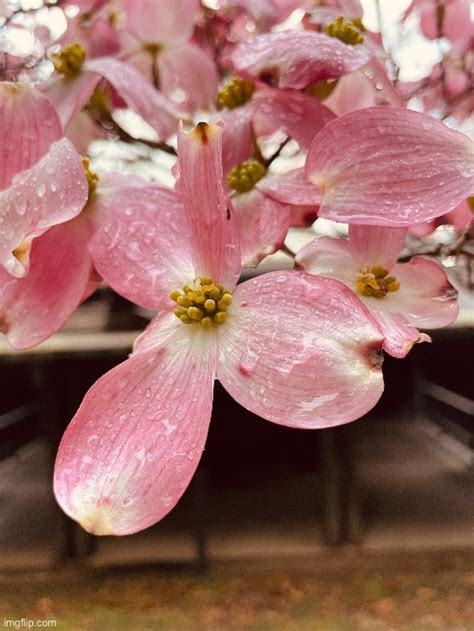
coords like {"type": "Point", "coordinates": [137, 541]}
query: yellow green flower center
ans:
{"type": "Point", "coordinates": [203, 302]}
{"type": "Point", "coordinates": [236, 93]}
{"type": "Point", "coordinates": [69, 60]}
{"type": "Point", "coordinates": [92, 178]}
{"type": "Point", "coordinates": [243, 177]}
{"type": "Point", "coordinates": [348, 32]}
{"type": "Point", "coordinates": [375, 282]}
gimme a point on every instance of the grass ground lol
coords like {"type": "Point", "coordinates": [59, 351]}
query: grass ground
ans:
{"type": "Point", "coordinates": [432, 593]}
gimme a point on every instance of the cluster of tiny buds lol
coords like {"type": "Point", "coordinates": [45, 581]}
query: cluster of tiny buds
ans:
{"type": "Point", "coordinates": [375, 282]}
{"type": "Point", "coordinates": [235, 94]}
{"type": "Point", "coordinates": [69, 60]}
{"type": "Point", "coordinates": [348, 32]}
{"type": "Point", "coordinates": [92, 178]}
{"type": "Point", "coordinates": [243, 177]}
{"type": "Point", "coordinates": [203, 302]}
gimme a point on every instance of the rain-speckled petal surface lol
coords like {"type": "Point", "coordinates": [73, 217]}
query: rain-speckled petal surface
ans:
{"type": "Point", "coordinates": [329, 257]}
{"type": "Point", "coordinates": [300, 351]}
{"type": "Point", "coordinates": [237, 138]}
{"type": "Point", "coordinates": [29, 124]}
{"type": "Point", "coordinates": [52, 191]}
{"type": "Point", "coordinates": [134, 445]}
{"type": "Point", "coordinates": [389, 166]}
{"type": "Point", "coordinates": [295, 59]}
{"type": "Point", "coordinates": [212, 220]}
{"type": "Point", "coordinates": [400, 335]}
{"type": "Point", "coordinates": [141, 242]}
{"type": "Point", "coordinates": [292, 187]}
{"type": "Point", "coordinates": [36, 306]}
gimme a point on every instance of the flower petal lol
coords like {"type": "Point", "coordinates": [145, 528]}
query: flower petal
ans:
{"type": "Point", "coordinates": [212, 220]}
{"type": "Point", "coordinates": [35, 307]}
{"type": "Point", "coordinates": [141, 240]}
{"type": "Point", "coordinates": [376, 245]}
{"type": "Point", "coordinates": [29, 124]}
{"type": "Point", "coordinates": [300, 351]}
{"type": "Point", "coordinates": [161, 21]}
{"type": "Point", "coordinates": [388, 166]}
{"type": "Point", "coordinates": [329, 257]}
{"type": "Point", "coordinates": [292, 187]}
{"type": "Point", "coordinates": [263, 224]}
{"type": "Point", "coordinates": [138, 94]}
{"type": "Point", "coordinates": [295, 59]}
{"type": "Point", "coordinates": [52, 191]}
{"type": "Point", "coordinates": [400, 335]}
{"type": "Point", "coordinates": [191, 70]}
{"type": "Point", "coordinates": [237, 138]}
{"type": "Point", "coordinates": [134, 445]}
{"type": "Point", "coordinates": [71, 95]}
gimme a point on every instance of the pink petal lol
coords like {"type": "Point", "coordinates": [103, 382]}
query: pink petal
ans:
{"type": "Point", "coordinates": [426, 297]}
{"type": "Point", "coordinates": [35, 307]}
{"type": "Point", "coordinates": [29, 124]}
{"type": "Point", "coordinates": [263, 224]}
{"type": "Point", "coordinates": [376, 245]}
{"type": "Point", "coordinates": [212, 220]}
{"type": "Point", "coordinates": [295, 59]}
{"type": "Point", "coordinates": [138, 94]}
{"type": "Point", "coordinates": [237, 138]}
{"type": "Point", "coordinates": [400, 335]}
{"type": "Point", "coordinates": [140, 243]}
{"type": "Point", "coordinates": [390, 167]}
{"type": "Point", "coordinates": [300, 351]}
{"type": "Point", "coordinates": [53, 191]}
{"type": "Point", "coordinates": [71, 95]}
{"type": "Point", "coordinates": [161, 21]}
{"type": "Point", "coordinates": [298, 115]}
{"type": "Point", "coordinates": [191, 70]}
{"type": "Point", "coordinates": [292, 187]}
{"type": "Point", "coordinates": [134, 445]}
{"type": "Point", "coordinates": [329, 257]}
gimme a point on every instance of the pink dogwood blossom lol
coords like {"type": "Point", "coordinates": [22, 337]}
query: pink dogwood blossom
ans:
{"type": "Point", "coordinates": [401, 297]}
{"type": "Point", "coordinates": [295, 349]}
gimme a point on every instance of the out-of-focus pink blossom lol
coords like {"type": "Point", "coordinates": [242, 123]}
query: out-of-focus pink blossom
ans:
{"type": "Point", "coordinates": [445, 18]}
{"type": "Point", "coordinates": [93, 28]}
{"type": "Point", "coordinates": [401, 297]}
{"type": "Point", "coordinates": [297, 350]}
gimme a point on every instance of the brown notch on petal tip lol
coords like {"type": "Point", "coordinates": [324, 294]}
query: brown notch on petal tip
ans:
{"type": "Point", "coordinates": [202, 131]}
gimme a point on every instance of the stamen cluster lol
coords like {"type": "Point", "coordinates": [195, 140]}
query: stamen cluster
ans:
{"type": "Point", "coordinates": [203, 302]}
{"type": "Point", "coordinates": [375, 282]}
{"type": "Point", "coordinates": [235, 94]}
{"type": "Point", "coordinates": [69, 60]}
{"type": "Point", "coordinates": [243, 177]}
{"type": "Point", "coordinates": [92, 178]}
{"type": "Point", "coordinates": [348, 32]}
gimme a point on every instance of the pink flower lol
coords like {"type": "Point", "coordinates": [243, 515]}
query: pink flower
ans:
{"type": "Point", "coordinates": [42, 182]}
{"type": "Point", "coordinates": [297, 350]}
{"type": "Point", "coordinates": [266, 13]}
{"type": "Point", "coordinates": [164, 30]}
{"type": "Point", "coordinates": [389, 166]}
{"type": "Point", "coordinates": [93, 28]}
{"type": "Point", "coordinates": [400, 297]}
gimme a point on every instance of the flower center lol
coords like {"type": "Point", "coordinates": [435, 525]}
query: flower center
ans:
{"type": "Point", "coordinates": [243, 177]}
{"type": "Point", "coordinates": [92, 178]}
{"type": "Point", "coordinates": [348, 32]}
{"type": "Point", "coordinates": [236, 93]}
{"type": "Point", "coordinates": [375, 282]}
{"type": "Point", "coordinates": [203, 302]}
{"type": "Point", "coordinates": [69, 60]}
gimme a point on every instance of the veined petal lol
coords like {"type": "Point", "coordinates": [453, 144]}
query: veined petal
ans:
{"type": "Point", "coordinates": [193, 71]}
{"type": "Point", "coordinates": [298, 115]}
{"type": "Point", "coordinates": [134, 445]}
{"type": "Point", "coordinates": [237, 138]}
{"type": "Point", "coordinates": [400, 335]}
{"type": "Point", "coordinates": [376, 245]}
{"type": "Point", "coordinates": [71, 95]}
{"type": "Point", "coordinates": [215, 244]}
{"type": "Point", "coordinates": [426, 297]}
{"type": "Point", "coordinates": [141, 240]}
{"type": "Point", "coordinates": [300, 351]}
{"type": "Point", "coordinates": [138, 94]}
{"type": "Point", "coordinates": [329, 257]}
{"type": "Point", "coordinates": [35, 307]}
{"type": "Point", "coordinates": [292, 187]}
{"type": "Point", "coordinates": [52, 191]}
{"type": "Point", "coordinates": [295, 59]}
{"type": "Point", "coordinates": [263, 224]}
{"type": "Point", "coordinates": [388, 166]}
{"type": "Point", "coordinates": [29, 124]}
{"type": "Point", "coordinates": [161, 21]}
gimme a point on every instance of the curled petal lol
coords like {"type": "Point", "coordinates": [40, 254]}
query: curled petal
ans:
{"type": "Point", "coordinates": [391, 167]}
{"type": "Point", "coordinates": [263, 224]}
{"type": "Point", "coordinates": [29, 124]}
{"type": "Point", "coordinates": [215, 244]}
{"type": "Point", "coordinates": [134, 445]}
{"type": "Point", "coordinates": [161, 21]}
{"type": "Point", "coordinates": [35, 307]}
{"type": "Point", "coordinates": [400, 335]}
{"type": "Point", "coordinates": [141, 240]}
{"type": "Point", "coordinates": [52, 191]}
{"type": "Point", "coordinates": [300, 351]}
{"type": "Point", "coordinates": [295, 59]}
{"type": "Point", "coordinates": [292, 187]}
